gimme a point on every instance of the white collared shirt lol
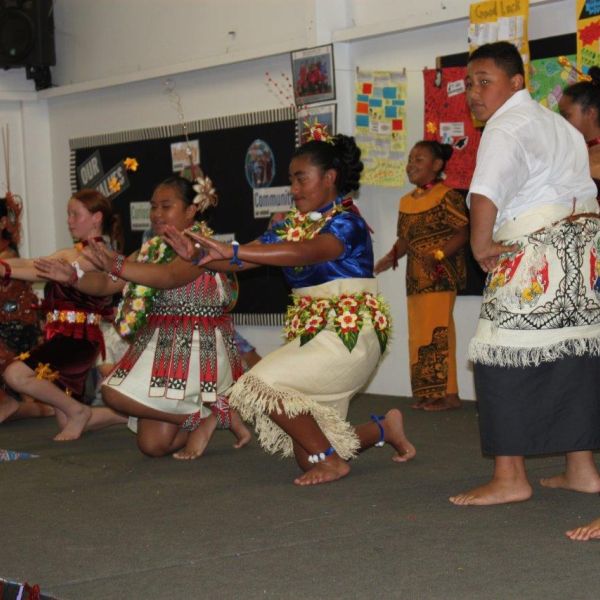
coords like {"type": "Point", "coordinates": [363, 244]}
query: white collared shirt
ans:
{"type": "Point", "coordinates": [530, 156]}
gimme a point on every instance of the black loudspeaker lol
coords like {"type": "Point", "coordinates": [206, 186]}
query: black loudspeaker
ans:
{"type": "Point", "coordinates": [27, 38]}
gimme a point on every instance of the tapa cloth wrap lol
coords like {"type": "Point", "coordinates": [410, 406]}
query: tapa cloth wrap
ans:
{"type": "Point", "coordinates": [318, 378]}
{"type": "Point", "coordinates": [542, 302]}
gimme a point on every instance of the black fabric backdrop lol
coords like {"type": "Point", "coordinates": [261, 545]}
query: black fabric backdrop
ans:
{"type": "Point", "coordinates": [263, 292]}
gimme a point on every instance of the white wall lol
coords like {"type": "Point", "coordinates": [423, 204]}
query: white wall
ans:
{"type": "Point", "coordinates": [110, 42]}
{"type": "Point", "coordinates": [115, 37]}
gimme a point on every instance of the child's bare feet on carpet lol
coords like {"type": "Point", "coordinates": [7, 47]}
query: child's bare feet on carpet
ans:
{"type": "Point", "coordinates": [75, 424]}
{"type": "Point", "coordinates": [420, 404]}
{"type": "Point", "coordinates": [395, 436]}
{"type": "Point", "coordinates": [331, 469]}
{"type": "Point", "coordinates": [448, 402]}
{"type": "Point", "coordinates": [591, 531]}
{"type": "Point", "coordinates": [197, 440]}
{"type": "Point", "coordinates": [239, 429]}
{"type": "Point", "coordinates": [103, 416]}
{"type": "Point", "coordinates": [8, 407]}
{"type": "Point", "coordinates": [588, 484]}
{"type": "Point", "coordinates": [494, 492]}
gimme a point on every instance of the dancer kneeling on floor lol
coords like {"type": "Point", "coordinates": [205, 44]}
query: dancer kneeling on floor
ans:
{"type": "Point", "coordinates": [182, 359]}
{"type": "Point", "coordinates": [337, 325]}
{"type": "Point", "coordinates": [55, 371]}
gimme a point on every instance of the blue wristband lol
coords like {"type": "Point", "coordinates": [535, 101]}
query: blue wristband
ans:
{"type": "Point", "coordinates": [201, 255]}
{"type": "Point", "coordinates": [235, 260]}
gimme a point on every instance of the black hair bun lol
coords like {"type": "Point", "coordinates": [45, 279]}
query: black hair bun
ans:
{"type": "Point", "coordinates": [594, 73]}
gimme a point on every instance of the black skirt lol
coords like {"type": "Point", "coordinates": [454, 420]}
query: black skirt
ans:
{"type": "Point", "coordinates": [550, 408]}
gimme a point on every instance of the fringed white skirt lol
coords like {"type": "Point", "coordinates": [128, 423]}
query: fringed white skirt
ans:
{"type": "Point", "coordinates": [318, 378]}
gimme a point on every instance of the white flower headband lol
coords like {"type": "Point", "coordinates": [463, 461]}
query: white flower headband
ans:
{"type": "Point", "coordinates": [206, 195]}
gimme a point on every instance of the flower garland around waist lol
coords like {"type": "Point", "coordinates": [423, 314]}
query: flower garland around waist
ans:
{"type": "Point", "coordinates": [78, 324]}
{"type": "Point", "coordinates": [307, 316]}
{"type": "Point", "coordinates": [137, 299]}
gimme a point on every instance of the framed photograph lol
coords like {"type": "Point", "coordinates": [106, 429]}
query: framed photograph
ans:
{"type": "Point", "coordinates": [323, 115]}
{"type": "Point", "coordinates": [313, 75]}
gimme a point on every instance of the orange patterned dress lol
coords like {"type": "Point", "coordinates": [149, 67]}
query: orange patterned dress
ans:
{"type": "Point", "coordinates": [426, 223]}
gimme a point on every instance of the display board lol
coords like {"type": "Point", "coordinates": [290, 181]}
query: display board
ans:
{"type": "Point", "coordinates": [239, 153]}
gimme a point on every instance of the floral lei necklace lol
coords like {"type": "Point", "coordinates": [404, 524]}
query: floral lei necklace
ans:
{"type": "Point", "coordinates": [137, 299]}
{"type": "Point", "coordinates": [299, 226]}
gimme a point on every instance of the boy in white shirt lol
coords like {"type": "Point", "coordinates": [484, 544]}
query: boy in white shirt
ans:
{"type": "Point", "coordinates": [535, 229]}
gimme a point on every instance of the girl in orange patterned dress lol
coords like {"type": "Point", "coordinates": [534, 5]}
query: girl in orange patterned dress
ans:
{"type": "Point", "coordinates": [432, 230]}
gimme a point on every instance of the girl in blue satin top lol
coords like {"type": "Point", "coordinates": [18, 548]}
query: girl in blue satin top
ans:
{"type": "Point", "coordinates": [337, 324]}
{"type": "Point", "coordinates": [356, 259]}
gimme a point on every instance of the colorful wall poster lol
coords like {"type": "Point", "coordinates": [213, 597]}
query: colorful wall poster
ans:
{"type": "Point", "coordinates": [380, 126]}
{"type": "Point", "coordinates": [548, 78]}
{"type": "Point", "coordinates": [500, 20]}
{"type": "Point", "coordinates": [588, 34]}
{"type": "Point", "coordinates": [448, 120]}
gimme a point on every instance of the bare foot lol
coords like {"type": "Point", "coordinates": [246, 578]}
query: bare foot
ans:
{"type": "Point", "coordinates": [395, 436]}
{"type": "Point", "coordinates": [331, 469]}
{"type": "Point", "coordinates": [591, 531]}
{"type": "Point", "coordinates": [449, 402]}
{"type": "Point", "coordinates": [494, 492]}
{"type": "Point", "coordinates": [420, 404]}
{"type": "Point", "coordinates": [8, 407]}
{"type": "Point", "coordinates": [197, 440]}
{"type": "Point", "coordinates": [239, 429]}
{"type": "Point", "coordinates": [103, 416]}
{"type": "Point", "coordinates": [75, 425]}
{"type": "Point", "coordinates": [576, 483]}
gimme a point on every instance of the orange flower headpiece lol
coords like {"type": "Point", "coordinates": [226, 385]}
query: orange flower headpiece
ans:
{"type": "Point", "coordinates": [563, 61]}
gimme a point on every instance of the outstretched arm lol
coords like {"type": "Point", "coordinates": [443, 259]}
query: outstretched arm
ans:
{"type": "Point", "coordinates": [321, 248]}
{"type": "Point", "coordinates": [25, 268]}
{"type": "Point", "coordinates": [192, 251]}
{"type": "Point", "coordinates": [397, 251]}
{"type": "Point", "coordinates": [93, 283]}
{"type": "Point", "coordinates": [162, 276]}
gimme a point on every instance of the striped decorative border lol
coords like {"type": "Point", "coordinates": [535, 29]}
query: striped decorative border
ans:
{"type": "Point", "coordinates": [73, 170]}
{"type": "Point", "coordinates": [164, 131]}
{"type": "Point", "coordinates": [262, 320]}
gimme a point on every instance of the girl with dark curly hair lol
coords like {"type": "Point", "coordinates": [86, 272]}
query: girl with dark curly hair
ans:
{"type": "Point", "coordinates": [336, 326]}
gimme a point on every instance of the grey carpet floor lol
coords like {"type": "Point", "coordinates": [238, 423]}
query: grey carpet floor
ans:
{"type": "Point", "coordinates": [94, 519]}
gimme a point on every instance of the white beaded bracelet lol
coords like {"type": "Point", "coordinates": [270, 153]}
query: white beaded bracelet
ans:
{"type": "Point", "coordinates": [321, 456]}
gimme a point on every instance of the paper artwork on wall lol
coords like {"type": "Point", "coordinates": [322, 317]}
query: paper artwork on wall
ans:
{"type": "Point", "coordinates": [448, 120]}
{"type": "Point", "coordinates": [313, 75]}
{"type": "Point", "coordinates": [548, 78]}
{"type": "Point", "coordinates": [497, 20]}
{"type": "Point", "coordinates": [380, 131]}
{"type": "Point", "coordinates": [588, 34]}
{"type": "Point", "coordinates": [184, 153]}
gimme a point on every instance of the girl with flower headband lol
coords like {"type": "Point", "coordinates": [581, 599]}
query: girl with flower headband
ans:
{"type": "Point", "coordinates": [580, 105]}
{"type": "Point", "coordinates": [432, 230]}
{"type": "Point", "coordinates": [182, 359]}
{"type": "Point", "coordinates": [55, 371]}
{"type": "Point", "coordinates": [337, 326]}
